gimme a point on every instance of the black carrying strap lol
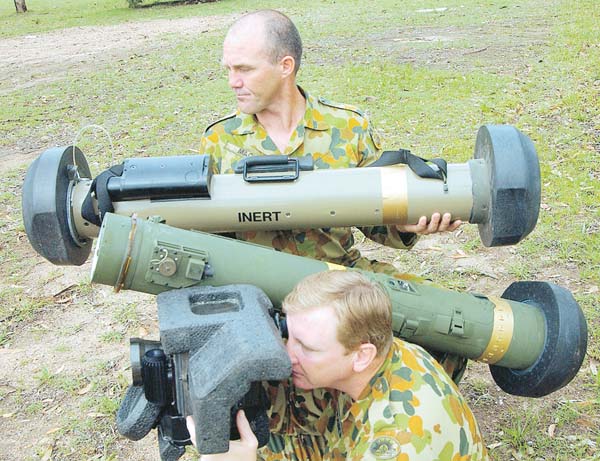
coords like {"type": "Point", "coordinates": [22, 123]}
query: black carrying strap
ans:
{"type": "Point", "coordinates": [99, 190]}
{"type": "Point", "coordinates": [418, 165]}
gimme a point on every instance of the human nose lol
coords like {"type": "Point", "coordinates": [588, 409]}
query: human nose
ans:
{"type": "Point", "coordinates": [290, 351]}
{"type": "Point", "coordinates": [234, 79]}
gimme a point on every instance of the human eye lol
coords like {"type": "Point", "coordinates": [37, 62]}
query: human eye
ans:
{"type": "Point", "coordinates": [306, 348]}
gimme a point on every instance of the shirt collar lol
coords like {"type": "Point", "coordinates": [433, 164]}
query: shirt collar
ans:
{"type": "Point", "coordinates": [313, 117]}
{"type": "Point", "coordinates": [380, 374]}
{"type": "Point", "coordinates": [248, 123]}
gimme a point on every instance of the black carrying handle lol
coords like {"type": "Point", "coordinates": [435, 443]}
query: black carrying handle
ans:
{"type": "Point", "coordinates": [265, 160]}
{"type": "Point", "coordinates": [273, 164]}
{"type": "Point", "coordinates": [262, 167]}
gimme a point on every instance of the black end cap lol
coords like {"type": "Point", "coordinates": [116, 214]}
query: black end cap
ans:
{"type": "Point", "coordinates": [515, 182]}
{"type": "Point", "coordinates": [46, 206]}
{"type": "Point", "coordinates": [564, 348]}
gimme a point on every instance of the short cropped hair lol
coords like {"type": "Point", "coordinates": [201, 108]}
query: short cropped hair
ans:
{"type": "Point", "coordinates": [281, 35]}
{"type": "Point", "coordinates": [362, 307]}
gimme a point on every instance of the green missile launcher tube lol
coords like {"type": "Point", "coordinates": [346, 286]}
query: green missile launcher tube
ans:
{"type": "Point", "coordinates": [534, 337]}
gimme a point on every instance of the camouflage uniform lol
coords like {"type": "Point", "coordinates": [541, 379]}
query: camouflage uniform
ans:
{"type": "Point", "coordinates": [409, 411]}
{"type": "Point", "coordinates": [337, 136]}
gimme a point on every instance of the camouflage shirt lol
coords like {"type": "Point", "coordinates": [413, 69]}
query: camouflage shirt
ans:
{"type": "Point", "coordinates": [410, 411]}
{"type": "Point", "coordinates": [337, 136]}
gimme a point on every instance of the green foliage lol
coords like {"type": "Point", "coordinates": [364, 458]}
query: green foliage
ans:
{"type": "Point", "coordinates": [111, 337]}
{"type": "Point", "coordinates": [521, 431]}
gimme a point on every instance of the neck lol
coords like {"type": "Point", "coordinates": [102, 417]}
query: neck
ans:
{"type": "Point", "coordinates": [355, 385]}
{"type": "Point", "coordinates": [283, 115]}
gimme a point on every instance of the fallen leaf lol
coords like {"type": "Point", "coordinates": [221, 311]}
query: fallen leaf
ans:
{"type": "Point", "coordinates": [433, 10]}
{"type": "Point", "coordinates": [47, 453]}
{"type": "Point", "coordinates": [64, 290]}
{"type": "Point", "coordinates": [586, 422]}
{"type": "Point", "coordinates": [493, 446]}
{"type": "Point", "coordinates": [65, 300]}
{"type": "Point", "coordinates": [53, 409]}
{"type": "Point", "coordinates": [459, 254]}
{"type": "Point", "coordinates": [52, 431]}
{"type": "Point", "coordinates": [85, 390]}
{"type": "Point", "coordinates": [551, 430]}
{"type": "Point", "coordinates": [434, 248]}
{"type": "Point", "coordinates": [8, 415]}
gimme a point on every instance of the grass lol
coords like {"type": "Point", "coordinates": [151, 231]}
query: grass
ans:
{"type": "Point", "coordinates": [111, 337]}
{"type": "Point", "coordinates": [45, 16]}
{"type": "Point", "coordinates": [530, 433]}
{"type": "Point", "coordinates": [532, 64]}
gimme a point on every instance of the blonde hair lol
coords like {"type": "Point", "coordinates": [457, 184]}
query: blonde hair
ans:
{"type": "Point", "coordinates": [362, 307]}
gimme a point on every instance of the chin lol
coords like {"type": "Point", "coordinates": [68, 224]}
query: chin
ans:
{"type": "Point", "coordinates": [249, 109]}
{"type": "Point", "coordinates": [301, 384]}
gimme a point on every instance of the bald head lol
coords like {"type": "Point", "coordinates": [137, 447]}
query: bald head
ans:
{"type": "Point", "coordinates": [277, 33]}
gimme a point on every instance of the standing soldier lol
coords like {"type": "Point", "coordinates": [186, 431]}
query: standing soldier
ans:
{"type": "Point", "coordinates": [262, 53]}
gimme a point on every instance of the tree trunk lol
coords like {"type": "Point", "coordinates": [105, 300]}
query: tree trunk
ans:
{"type": "Point", "coordinates": [20, 6]}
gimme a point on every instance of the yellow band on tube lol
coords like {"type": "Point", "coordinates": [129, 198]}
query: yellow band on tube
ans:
{"type": "Point", "coordinates": [502, 332]}
{"type": "Point", "coordinates": [394, 195]}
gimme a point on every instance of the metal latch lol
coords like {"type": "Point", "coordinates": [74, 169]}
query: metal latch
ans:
{"type": "Point", "coordinates": [457, 324]}
{"type": "Point", "coordinates": [409, 328]}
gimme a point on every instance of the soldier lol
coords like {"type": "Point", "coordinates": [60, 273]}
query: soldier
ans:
{"type": "Point", "coordinates": [356, 392]}
{"type": "Point", "coordinates": [262, 53]}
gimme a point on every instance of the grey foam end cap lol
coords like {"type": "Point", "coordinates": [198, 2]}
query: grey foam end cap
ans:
{"type": "Point", "coordinates": [232, 341]}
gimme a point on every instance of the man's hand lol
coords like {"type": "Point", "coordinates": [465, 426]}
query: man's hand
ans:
{"type": "Point", "coordinates": [437, 223]}
{"type": "Point", "coordinates": [243, 449]}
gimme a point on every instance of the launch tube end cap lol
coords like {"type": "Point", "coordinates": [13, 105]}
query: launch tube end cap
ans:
{"type": "Point", "coordinates": [46, 206]}
{"type": "Point", "coordinates": [514, 181]}
{"type": "Point", "coordinates": [564, 348]}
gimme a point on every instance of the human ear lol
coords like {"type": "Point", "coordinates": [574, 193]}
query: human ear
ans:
{"type": "Point", "coordinates": [287, 66]}
{"type": "Point", "coordinates": [363, 357]}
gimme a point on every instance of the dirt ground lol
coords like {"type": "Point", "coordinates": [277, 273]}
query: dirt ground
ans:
{"type": "Point", "coordinates": [73, 327]}
{"type": "Point", "coordinates": [65, 339]}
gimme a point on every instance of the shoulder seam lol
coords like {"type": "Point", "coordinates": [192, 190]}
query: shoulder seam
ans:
{"type": "Point", "coordinates": [342, 106]}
